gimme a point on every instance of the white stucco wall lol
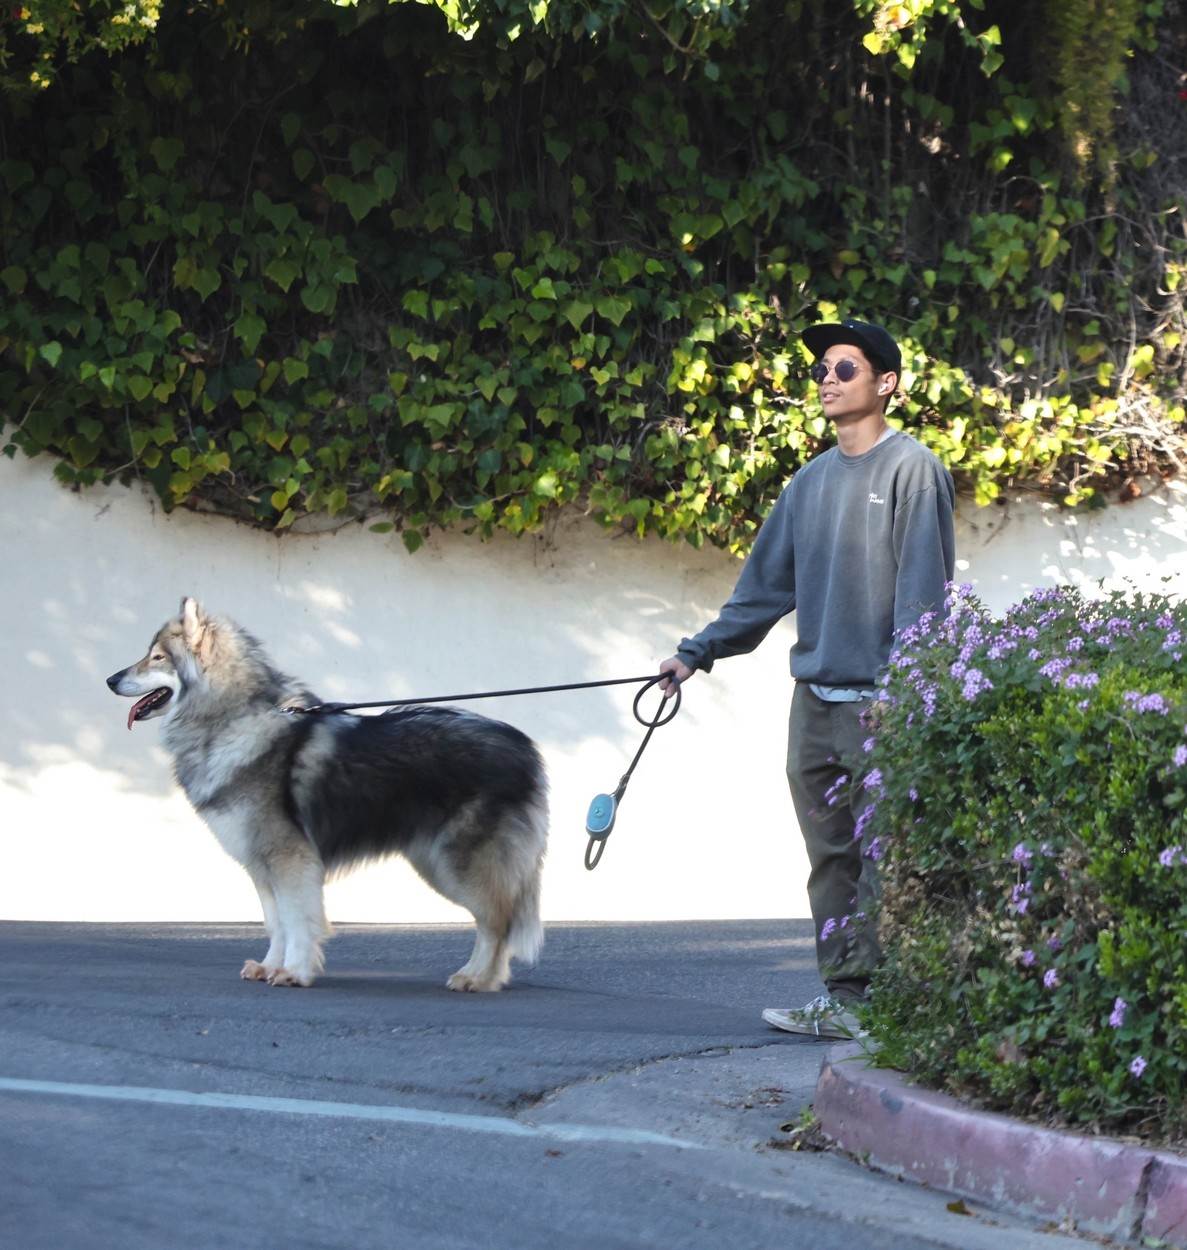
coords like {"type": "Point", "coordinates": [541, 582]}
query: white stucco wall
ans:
{"type": "Point", "coordinates": [93, 828]}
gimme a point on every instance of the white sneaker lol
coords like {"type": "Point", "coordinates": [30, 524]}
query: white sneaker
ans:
{"type": "Point", "coordinates": [824, 1016]}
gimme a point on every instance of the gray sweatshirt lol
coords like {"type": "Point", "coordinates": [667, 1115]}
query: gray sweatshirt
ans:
{"type": "Point", "coordinates": [859, 547]}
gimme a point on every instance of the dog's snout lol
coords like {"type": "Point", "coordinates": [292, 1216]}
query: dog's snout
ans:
{"type": "Point", "coordinates": [114, 680]}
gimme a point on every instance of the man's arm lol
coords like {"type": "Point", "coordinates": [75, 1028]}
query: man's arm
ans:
{"type": "Point", "coordinates": [764, 593]}
{"type": "Point", "coordinates": [925, 549]}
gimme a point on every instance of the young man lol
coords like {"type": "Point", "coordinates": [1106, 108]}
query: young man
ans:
{"type": "Point", "coordinates": [859, 544]}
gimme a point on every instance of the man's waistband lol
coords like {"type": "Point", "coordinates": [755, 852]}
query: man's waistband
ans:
{"type": "Point", "coordinates": [842, 694]}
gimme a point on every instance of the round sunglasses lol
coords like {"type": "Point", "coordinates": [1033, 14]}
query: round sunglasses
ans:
{"type": "Point", "coordinates": [844, 371]}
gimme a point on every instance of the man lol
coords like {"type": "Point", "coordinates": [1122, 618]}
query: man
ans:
{"type": "Point", "coordinates": [859, 544]}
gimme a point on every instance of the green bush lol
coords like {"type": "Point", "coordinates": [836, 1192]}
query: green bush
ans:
{"type": "Point", "coordinates": [1027, 780]}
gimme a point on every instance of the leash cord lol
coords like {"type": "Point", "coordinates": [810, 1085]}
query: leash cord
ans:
{"type": "Point", "coordinates": [318, 709]}
{"type": "Point", "coordinates": [660, 719]}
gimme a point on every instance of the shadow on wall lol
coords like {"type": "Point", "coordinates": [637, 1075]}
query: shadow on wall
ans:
{"type": "Point", "coordinates": [1008, 550]}
{"type": "Point", "coordinates": [353, 615]}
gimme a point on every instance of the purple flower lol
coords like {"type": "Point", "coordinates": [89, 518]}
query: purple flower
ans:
{"type": "Point", "coordinates": [863, 820]}
{"type": "Point", "coordinates": [1146, 702]}
{"type": "Point", "coordinates": [833, 794]}
{"type": "Point", "coordinates": [875, 850]}
{"type": "Point", "coordinates": [1117, 1019]}
{"type": "Point", "coordinates": [1180, 756]}
{"type": "Point", "coordinates": [1167, 857]}
{"type": "Point", "coordinates": [868, 745]}
{"type": "Point", "coordinates": [1050, 978]}
{"type": "Point", "coordinates": [826, 929]}
{"type": "Point", "coordinates": [872, 780]}
{"type": "Point", "coordinates": [1138, 1066]}
{"type": "Point", "coordinates": [1053, 668]}
{"type": "Point", "coordinates": [1021, 855]}
{"type": "Point", "coordinates": [974, 683]}
{"type": "Point", "coordinates": [1028, 958]}
{"type": "Point", "coordinates": [913, 795]}
{"type": "Point", "coordinates": [1075, 644]}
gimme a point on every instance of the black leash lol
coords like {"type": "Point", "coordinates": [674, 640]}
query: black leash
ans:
{"type": "Point", "coordinates": [602, 811]}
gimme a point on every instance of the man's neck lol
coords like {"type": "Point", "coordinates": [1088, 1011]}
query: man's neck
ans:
{"type": "Point", "coordinates": [856, 436]}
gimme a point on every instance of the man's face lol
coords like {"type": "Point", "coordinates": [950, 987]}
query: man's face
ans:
{"type": "Point", "coordinates": [860, 395]}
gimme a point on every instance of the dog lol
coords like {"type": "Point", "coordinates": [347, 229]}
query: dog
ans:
{"type": "Point", "coordinates": [297, 797]}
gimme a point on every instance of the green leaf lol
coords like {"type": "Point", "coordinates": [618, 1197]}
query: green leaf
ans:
{"type": "Point", "coordinates": [576, 312]}
{"type": "Point", "coordinates": [317, 298]}
{"type": "Point", "coordinates": [166, 153]}
{"type": "Point", "coordinates": [140, 387]}
{"type": "Point", "coordinates": [249, 329]}
{"type": "Point", "coordinates": [206, 282]}
{"type": "Point", "coordinates": [303, 163]}
{"type": "Point", "coordinates": [51, 353]}
{"type": "Point", "coordinates": [612, 308]}
{"type": "Point", "coordinates": [417, 303]}
{"type": "Point", "coordinates": [283, 272]}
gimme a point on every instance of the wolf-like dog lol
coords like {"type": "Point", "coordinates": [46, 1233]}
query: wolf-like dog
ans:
{"type": "Point", "coordinates": [296, 797]}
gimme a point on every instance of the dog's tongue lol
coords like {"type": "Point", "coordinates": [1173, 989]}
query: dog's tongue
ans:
{"type": "Point", "coordinates": [139, 706]}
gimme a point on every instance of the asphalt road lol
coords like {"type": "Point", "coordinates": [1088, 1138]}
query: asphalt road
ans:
{"type": "Point", "coordinates": [623, 1093]}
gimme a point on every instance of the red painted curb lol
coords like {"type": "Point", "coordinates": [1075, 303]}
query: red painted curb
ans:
{"type": "Point", "coordinates": [1105, 1186]}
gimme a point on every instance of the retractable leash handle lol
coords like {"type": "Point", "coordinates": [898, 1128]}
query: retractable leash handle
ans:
{"type": "Point", "coordinates": [599, 821]}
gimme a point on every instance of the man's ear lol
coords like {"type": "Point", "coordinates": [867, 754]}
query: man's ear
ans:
{"type": "Point", "coordinates": [888, 383]}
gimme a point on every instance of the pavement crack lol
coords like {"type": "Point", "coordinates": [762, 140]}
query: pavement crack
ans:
{"type": "Point", "coordinates": [529, 1100]}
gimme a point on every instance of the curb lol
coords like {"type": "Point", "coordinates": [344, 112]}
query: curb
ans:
{"type": "Point", "coordinates": [1104, 1186]}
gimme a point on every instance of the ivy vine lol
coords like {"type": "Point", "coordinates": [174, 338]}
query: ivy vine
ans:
{"type": "Point", "coordinates": [282, 257]}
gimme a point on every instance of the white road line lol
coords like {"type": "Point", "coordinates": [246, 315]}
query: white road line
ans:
{"type": "Point", "coordinates": [348, 1111]}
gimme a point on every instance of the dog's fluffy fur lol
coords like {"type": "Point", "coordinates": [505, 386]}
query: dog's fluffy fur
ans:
{"type": "Point", "coordinates": [297, 797]}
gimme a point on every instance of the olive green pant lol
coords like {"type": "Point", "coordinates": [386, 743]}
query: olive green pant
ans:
{"type": "Point", "coordinates": [825, 744]}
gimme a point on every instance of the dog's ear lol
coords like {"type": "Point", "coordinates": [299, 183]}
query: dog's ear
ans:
{"type": "Point", "coordinates": [193, 621]}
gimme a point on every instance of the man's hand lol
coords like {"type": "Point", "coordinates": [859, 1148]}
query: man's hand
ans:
{"type": "Point", "coordinates": [676, 666]}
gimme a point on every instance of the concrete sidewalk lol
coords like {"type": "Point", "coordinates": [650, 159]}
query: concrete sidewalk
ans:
{"type": "Point", "coordinates": [1095, 1184]}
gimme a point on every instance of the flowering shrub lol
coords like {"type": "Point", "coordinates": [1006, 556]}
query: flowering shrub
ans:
{"type": "Point", "coordinates": [1028, 807]}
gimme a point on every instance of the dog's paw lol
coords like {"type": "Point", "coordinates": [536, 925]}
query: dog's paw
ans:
{"type": "Point", "coordinates": [465, 983]}
{"type": "Point", "coordinates": [253, 970]}
{"type": "Point", "coordinates": [282, 976]}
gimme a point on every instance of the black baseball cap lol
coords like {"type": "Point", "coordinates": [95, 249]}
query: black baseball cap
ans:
{"type": "Point", "coordinates": [876, 342]}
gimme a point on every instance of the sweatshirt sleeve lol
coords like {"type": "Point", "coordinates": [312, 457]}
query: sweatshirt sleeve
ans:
{"type": "Point", "coordinates": [924, 548]}
{"type": "Point", "coordinates": [764, 593]}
